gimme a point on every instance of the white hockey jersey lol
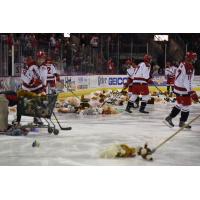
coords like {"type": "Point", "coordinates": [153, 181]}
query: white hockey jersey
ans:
{"type": "Point", "coordinates": [31, 80]}
{"type": "Point", "coordinates": [170, 72]}
{"type": "Point", "coordinates": [43, 74]}
{"type": "Point", "coordinates": [184, 79]}
{"type": "Point", "coordinates": [141, 73]}
{"type": "Point", "coordinates": [51, 71]}
{"type": "Point", "coordinates": [131, 72]}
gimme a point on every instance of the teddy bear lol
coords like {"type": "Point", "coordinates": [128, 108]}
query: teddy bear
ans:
{"type": "Point", "coordinates": [74, 101]}
{"type": "Point", "coordinates": [107, 110]}
{"type": "Point", "coordinates": [119, 151]}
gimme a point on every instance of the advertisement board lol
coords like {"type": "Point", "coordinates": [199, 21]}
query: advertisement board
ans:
{"type": "Point", "coordinates": [88, 82]}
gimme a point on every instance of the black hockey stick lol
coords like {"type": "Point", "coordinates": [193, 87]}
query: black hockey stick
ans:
{"type": "Point", "coordinates": [160, 91]}
{"type": "Point", "coordinates": [107, 100]}
{"type": "Point", "coordinates": [62, 128]}
{"type": "Point", "coordinates": [68, 86]}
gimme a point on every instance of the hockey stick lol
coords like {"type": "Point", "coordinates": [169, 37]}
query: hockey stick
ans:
{"type": "Point", "coordinates": [62, 128]}
{"type": "Point", "coordinates": [115, 98]}
{"type": "Point", "coordinates": [148, 152]}
{"type": "Point", "coordinates": [178, 131]}
{"type": "Point", "coordinates": [68, 86]}
{"type": "Point", "coordinates": [167, 98]}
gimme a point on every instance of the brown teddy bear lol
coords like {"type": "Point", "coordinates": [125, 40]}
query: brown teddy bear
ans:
{"type": "Point", "coordinates": [119, 151]}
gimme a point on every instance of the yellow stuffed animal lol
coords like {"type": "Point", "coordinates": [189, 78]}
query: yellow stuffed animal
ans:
{"type": "Point", "coordinates": [119, 151]}
{"type": "Point", "coordinates": [73, 101]}
{"type": "Point", "coordinates": [108, 110]}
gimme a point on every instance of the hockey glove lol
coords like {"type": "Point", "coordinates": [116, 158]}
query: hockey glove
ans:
{"type": "Point", "coordinates": [150, 81]}
{"type": "Point", "coordinates": [129, 81]}
{"type": "Point", "coordinates": [194, 96]}
{"type": "Point", "coordinates": [57, 77]}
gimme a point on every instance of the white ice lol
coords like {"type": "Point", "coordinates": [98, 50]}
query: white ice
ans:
{"type": "Point", "coordinates": [90, 135]}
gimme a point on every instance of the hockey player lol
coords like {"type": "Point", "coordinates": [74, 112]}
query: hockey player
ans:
{"type": "Point", "coordinates": [52, 76]}
{"type": "Point", "coordinates": [34, 77]}
{"type": "Point", "coordinates": [31, 78]}
{"type": "Point", "coordinates": [141, 78]}
{"type": "Point", "coordinates": [170, 72]}
{"type": "Point", "coordinates": [130, 73]}
{"type": "Point", "coordinates": [183, 90]}
{"type": "Point", "coordinates": [131, 65]}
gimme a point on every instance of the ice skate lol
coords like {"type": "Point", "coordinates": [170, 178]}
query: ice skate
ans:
{"type": "Point", "coordinates": [142, 108]}
{"type": "Point", "coordinates": [168, 122]}
{"type": "Point", "coordinates": [128, 107]}
{"type": "Point", "coordinates": [181, 124]}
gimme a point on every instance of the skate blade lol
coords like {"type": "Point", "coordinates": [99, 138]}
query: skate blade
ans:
{"type": "Point", "coordinates": [166, 123]}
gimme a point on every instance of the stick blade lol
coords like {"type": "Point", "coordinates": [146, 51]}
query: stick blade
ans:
{"type": "Point", "coordinates": [66, 128]}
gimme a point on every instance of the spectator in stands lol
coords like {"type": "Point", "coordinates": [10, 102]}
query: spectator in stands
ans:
{"type": "Point", "coordinates": [128, 62]}
{"type": "Point", "coordinates": [33, 42]}
{"type": "Point", "coordinates": [161, 71]}
{"type": "Point", "coordinates": [94, 41]}
{"type": "Point", "coordinates": [110, 67]}
{"type": "Point", "coordinates": [53, 41]}
{"type": "Point", "coordinates": [57, 47]}
{"type": "Point", "coordinates": [83, 41]}
{"type": "Point", "coordinates": [10, 40]}
{"type": "Point", "coordinates": [155, 70]}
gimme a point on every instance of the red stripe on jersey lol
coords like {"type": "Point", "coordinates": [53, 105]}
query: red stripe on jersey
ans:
{"type": "Point", "coordinates": [139, 79]}
{"type": "Point", "coordinates": [179, 88]}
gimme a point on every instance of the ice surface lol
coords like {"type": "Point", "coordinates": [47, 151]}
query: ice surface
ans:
{"type": "Point", "coordinates": [90, 135]}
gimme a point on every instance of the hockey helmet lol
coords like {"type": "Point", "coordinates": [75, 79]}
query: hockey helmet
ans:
{"type": "Point", "coordinates": [41, 54]}
{"type": "Point", "coordinates": [41, 57]}
{"type": "Point", "coordinates": [191, 56]}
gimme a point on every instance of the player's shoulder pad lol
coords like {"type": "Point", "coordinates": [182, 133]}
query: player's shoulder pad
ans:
{"type": "Point", "coordinates": [130, 71]}
{"type": "Point", "coordinates": [33, 67]}
{"type": "Point", "coordinates": [142, 64]}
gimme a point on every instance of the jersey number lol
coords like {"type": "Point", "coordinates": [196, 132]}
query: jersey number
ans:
{"type": "Point", "coordinates": [179, 73]}
{"type": "Point", "coordinates": [49, 70]}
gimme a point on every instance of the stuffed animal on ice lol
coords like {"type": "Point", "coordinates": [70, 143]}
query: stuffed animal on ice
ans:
{"type": "Point", "coordinates": [67, 108]}
{"type": "Point", "coordinates": [84, 103]}
{"type": "Point", "coordinates": [74, 101]}
{"type": "Point", "coordinates": [154, 94]}
{"type": "Point", "coordinates": [145, 152]}
{"type": "Point", "coordinates": [88, 111]}
{"type": "Point", "coordinates": [94, 102]}
{"type": "Point", "coordinates": [122, 99]}
{"type": "Point", "coordinates": [119, 151]}
{"type": "Point", "coordinates": [107, 110]}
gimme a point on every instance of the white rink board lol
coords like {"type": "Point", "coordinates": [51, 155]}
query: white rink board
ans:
{"type": "Point", "coordinates": [111, 81]}
{"type": "Point", "coordinates": [89, 82]}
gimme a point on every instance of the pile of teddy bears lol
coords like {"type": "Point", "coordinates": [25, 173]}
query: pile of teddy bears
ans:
{"type": "Point", "coordinates": [99, 102]}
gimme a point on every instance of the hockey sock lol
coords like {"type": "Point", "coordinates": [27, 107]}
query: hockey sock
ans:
{"type": "Point", "coordinates": [142, 107]}
{"type": "Point", "coordinates": [168, 89]}
{"type": "Point", "coordinates": [184, 116]}
{"type": "Point", "coordinates": [175, 111]}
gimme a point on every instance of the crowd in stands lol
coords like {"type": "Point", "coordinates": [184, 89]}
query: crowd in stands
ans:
{"type": "Point", "coordinates": [82, 54]}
